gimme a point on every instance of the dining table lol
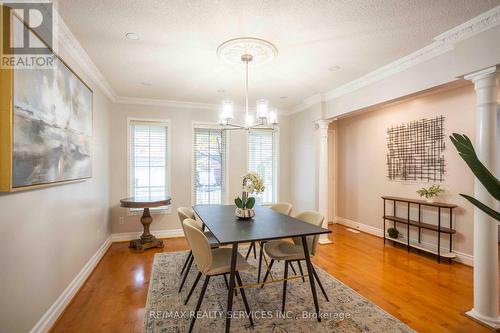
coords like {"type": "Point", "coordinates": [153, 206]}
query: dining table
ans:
{"type": "Point", "coordinates": [264, 226]}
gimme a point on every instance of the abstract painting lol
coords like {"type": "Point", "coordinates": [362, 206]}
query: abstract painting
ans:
{"type": "Point", "coordinates": [52, 126]}
{"type": "Point", "coordinates": [416, 151]}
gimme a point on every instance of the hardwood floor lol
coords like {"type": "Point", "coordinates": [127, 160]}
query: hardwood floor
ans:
{"type": "Point", "coordinates": [428, 296]}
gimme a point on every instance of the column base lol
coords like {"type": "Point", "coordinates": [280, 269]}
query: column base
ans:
{"type": "Point", "coordinates": [493, 323]}
{"type": "Point", "coordinates": [323, 240]}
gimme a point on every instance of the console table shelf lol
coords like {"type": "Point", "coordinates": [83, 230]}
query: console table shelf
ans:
{"type": "Point", "coordinates": [419, 224]}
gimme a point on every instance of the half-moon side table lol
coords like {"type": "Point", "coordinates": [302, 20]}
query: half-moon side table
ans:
{"type": "Point", "coordinates": [147, 240]}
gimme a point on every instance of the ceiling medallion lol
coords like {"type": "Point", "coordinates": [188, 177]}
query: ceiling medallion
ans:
{"type": "Point", "coordinates": [248, 50]}
{"type": "Point", "coordinates": [232, 50]}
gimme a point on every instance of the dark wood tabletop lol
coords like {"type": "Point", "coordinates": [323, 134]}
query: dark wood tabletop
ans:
{"type": "Point", "coordinates": [265, 225]}
{"type": "Point", "coordinates": [420, 202]}
{"type": "Point", "coordinates": [145, 202]}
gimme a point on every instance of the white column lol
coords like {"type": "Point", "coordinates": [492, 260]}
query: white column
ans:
{"type": "Point", "coordinates": [485, 228]}
{"type": "Point", "coordinates": [323, 175]}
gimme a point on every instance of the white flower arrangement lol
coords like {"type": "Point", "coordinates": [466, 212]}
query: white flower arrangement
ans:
{"type": "Point", "coordinates": [252, 182]}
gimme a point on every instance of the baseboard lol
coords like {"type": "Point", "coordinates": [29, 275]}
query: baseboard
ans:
{"type": "Point", "coordinates": [49, 318]}
{"type": "Point", "coordinates": [128, 236]}
{"type": "Point", "coordinates": [463, 258]}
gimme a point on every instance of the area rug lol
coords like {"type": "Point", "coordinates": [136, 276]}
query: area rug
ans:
{"type": "Point", "coordinates": [347, 311]}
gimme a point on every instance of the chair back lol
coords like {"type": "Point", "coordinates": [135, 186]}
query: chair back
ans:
{"type": "Point", "coordinates": [284, 208]}
{"type": "Point", "coordinates": [311, 217]}
{"type": "Point", "coordinates": [185, 213]}
{"type": "Point", "coordinates": [199, 244]}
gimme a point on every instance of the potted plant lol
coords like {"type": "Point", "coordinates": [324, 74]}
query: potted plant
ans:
{"type": "Point", "coordinates": [393, 232]}
{"type": "Point", "coordinates": [466, 151]}
{"type": "Point", "coordinates": [252, 183]}
{"type": "Point", "coordinates": [430, 193]}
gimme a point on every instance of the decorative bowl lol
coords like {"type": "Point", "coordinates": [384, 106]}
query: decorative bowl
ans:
{"type": "Point", "coordinates": [244, 214]}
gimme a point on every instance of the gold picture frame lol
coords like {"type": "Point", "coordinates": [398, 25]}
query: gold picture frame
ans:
{"type": "Point", "coordinates": [7, 117]}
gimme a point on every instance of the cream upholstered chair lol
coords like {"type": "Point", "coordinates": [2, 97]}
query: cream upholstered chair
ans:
{"type": "Point", "coordinates": [187, 213]}
{"type": "Point", "coordinates": [284, 208]}
{"type": "Point", "coordinates": [290, 251]}
{"type": "Point", "coordinates": [211, 262]}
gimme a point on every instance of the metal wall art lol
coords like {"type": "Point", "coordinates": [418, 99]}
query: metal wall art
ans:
{"type": "Point", "coordinates": [416, 151]}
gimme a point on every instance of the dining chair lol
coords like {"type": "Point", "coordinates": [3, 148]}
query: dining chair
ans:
{"type": "Point", "coordinates": [211, 262]}
{"type": "Point", "coordinates": [290, 251]}
{"type": "Point", "coordinates": [284, 208]}
{"type": "Point", "coordinates": [187, 213]}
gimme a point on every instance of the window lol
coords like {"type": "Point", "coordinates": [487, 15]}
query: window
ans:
{"type": "Point", "coordinates": [148, 153]}
{"type": "Point", "coordinates": [262, 158]}
{"type": "Point", "coordinates": [209, 166]}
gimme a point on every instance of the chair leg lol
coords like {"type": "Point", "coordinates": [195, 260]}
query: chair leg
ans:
{"type": "Point", "coordinates": [205, 284]}
{"type": "Point", "coordinates": [293, 269]}
{"type": "Point", "coordinates": [247, 308]}
{"type": "Point", "coordinates": [301, 272]}
{"type": "Point", "coordinates": [186, 261]}
{"type": "Point", "coordinates": [320, 284]}
{"type": "Point", "coordinates": [186, 273]}
{"type": "Point", "coordinates": [267, 273]}
{"type": "Point", "coordinates": [254, 251]}
{"type": "Point", "coordinates": [285, 277]}
{"type": "Point", "coordinates": [250, 249]}
{"type": "Point", "coordinates": [227, 285]}
{"type": "Point", "coordinates": [261, 253]}
{"type": "Point", "coordinates": [193, 288]}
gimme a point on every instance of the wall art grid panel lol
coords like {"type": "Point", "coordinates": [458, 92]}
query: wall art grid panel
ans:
{"type": "Point", "coordinates": [416, 151]}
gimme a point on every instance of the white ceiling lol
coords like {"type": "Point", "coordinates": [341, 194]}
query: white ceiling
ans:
{"type": "Point", "coordinates": [176, 53]}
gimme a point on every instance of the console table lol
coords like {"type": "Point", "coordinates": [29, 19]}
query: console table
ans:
{"type": "Point", "coordinates": [147, 240]}
{"type": "Point", "coordinates": [406, 220]}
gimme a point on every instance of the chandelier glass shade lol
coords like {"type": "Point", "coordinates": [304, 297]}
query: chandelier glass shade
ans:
{"type": "Point", "coordinates": [266, 117]}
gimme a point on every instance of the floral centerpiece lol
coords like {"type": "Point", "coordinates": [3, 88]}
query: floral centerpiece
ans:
{"type": "Point", "coordinates": [252, 183]}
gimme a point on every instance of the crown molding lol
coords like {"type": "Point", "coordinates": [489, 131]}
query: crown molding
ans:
{"type": "Point", "coordinates": [440, 45]}
{"type": "Point", "coordinates": [164, 103]}
{"type": "Point", "coordinates": [307, 103]}
{"type": "Point", "coordinates": [478, 24]}
{"type": "Point", "coordinates": [67, 41]}
{"type": "Point", "coordinates": [182, 104]}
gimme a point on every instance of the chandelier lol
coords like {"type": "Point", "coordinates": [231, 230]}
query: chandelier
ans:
{"type": "Point", "coordinates": [247, 50]}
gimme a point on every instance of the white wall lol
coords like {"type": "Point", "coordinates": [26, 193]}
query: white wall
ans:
{"type": "Point", "coordinates": [362, 169]}
{"type": "Point", "coordinates": [181, 125]}
{"type": "Point", "coordinates": [48, 235]}
{"type": "Point", "coordinates": [303, 159]}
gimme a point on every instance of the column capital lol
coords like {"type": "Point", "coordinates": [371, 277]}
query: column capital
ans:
{"type": "Point", "coordinates": [323, 123]}
{"type": "Point", "coordinates": [482, 74]}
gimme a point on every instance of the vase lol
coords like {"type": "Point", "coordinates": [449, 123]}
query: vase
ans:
{"type": "Point", "coordinates": [244, 214]}
{"type": "Point", "coordinates": [430, 200]}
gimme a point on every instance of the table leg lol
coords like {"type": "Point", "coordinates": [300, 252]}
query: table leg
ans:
{"type": "Point", "coordinates": [311, 275]}
{"type": "Point", "coordinates": [234, 256]}
{"type": "Point", "coordinates": [147, 240]}
{"type": "Point", "coordinates": [260, 261]}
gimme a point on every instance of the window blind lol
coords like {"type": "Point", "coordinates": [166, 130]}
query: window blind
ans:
{"type": "Point", "coordinates": [209, 166]}
{"type": "Point", "coordinates": [262, 159]}
{"type": "Point", "coordinates": [148, 159]}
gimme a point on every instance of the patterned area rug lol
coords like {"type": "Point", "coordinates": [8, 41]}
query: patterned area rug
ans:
{"type": "Point", "coordinates": [347, 311]}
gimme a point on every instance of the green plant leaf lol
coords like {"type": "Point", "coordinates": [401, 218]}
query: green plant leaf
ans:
{"type": "Point", "coordinates": [238, 202]}
{"type": "Point", "coordinates": [250, 202]}
{"type": "Point", "coordinates": [491, 212]}
{"type": "Point", "coordinates": [468, 154]}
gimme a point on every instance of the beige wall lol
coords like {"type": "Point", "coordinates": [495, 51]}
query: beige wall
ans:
{"type": "Point", "coordinates": [181, 125]}
{"type": "Point", "coordinates": [362, 161]}
{"type": "Point", "coordinates": [48, 235]}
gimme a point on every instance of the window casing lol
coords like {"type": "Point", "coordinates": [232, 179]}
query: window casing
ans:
{"type": "Point", "coordinates": [149, 167]}
{"type": "Point", "coordinates": [263, 159]}
{"type": "Point", "coordinates": [209, 165]}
